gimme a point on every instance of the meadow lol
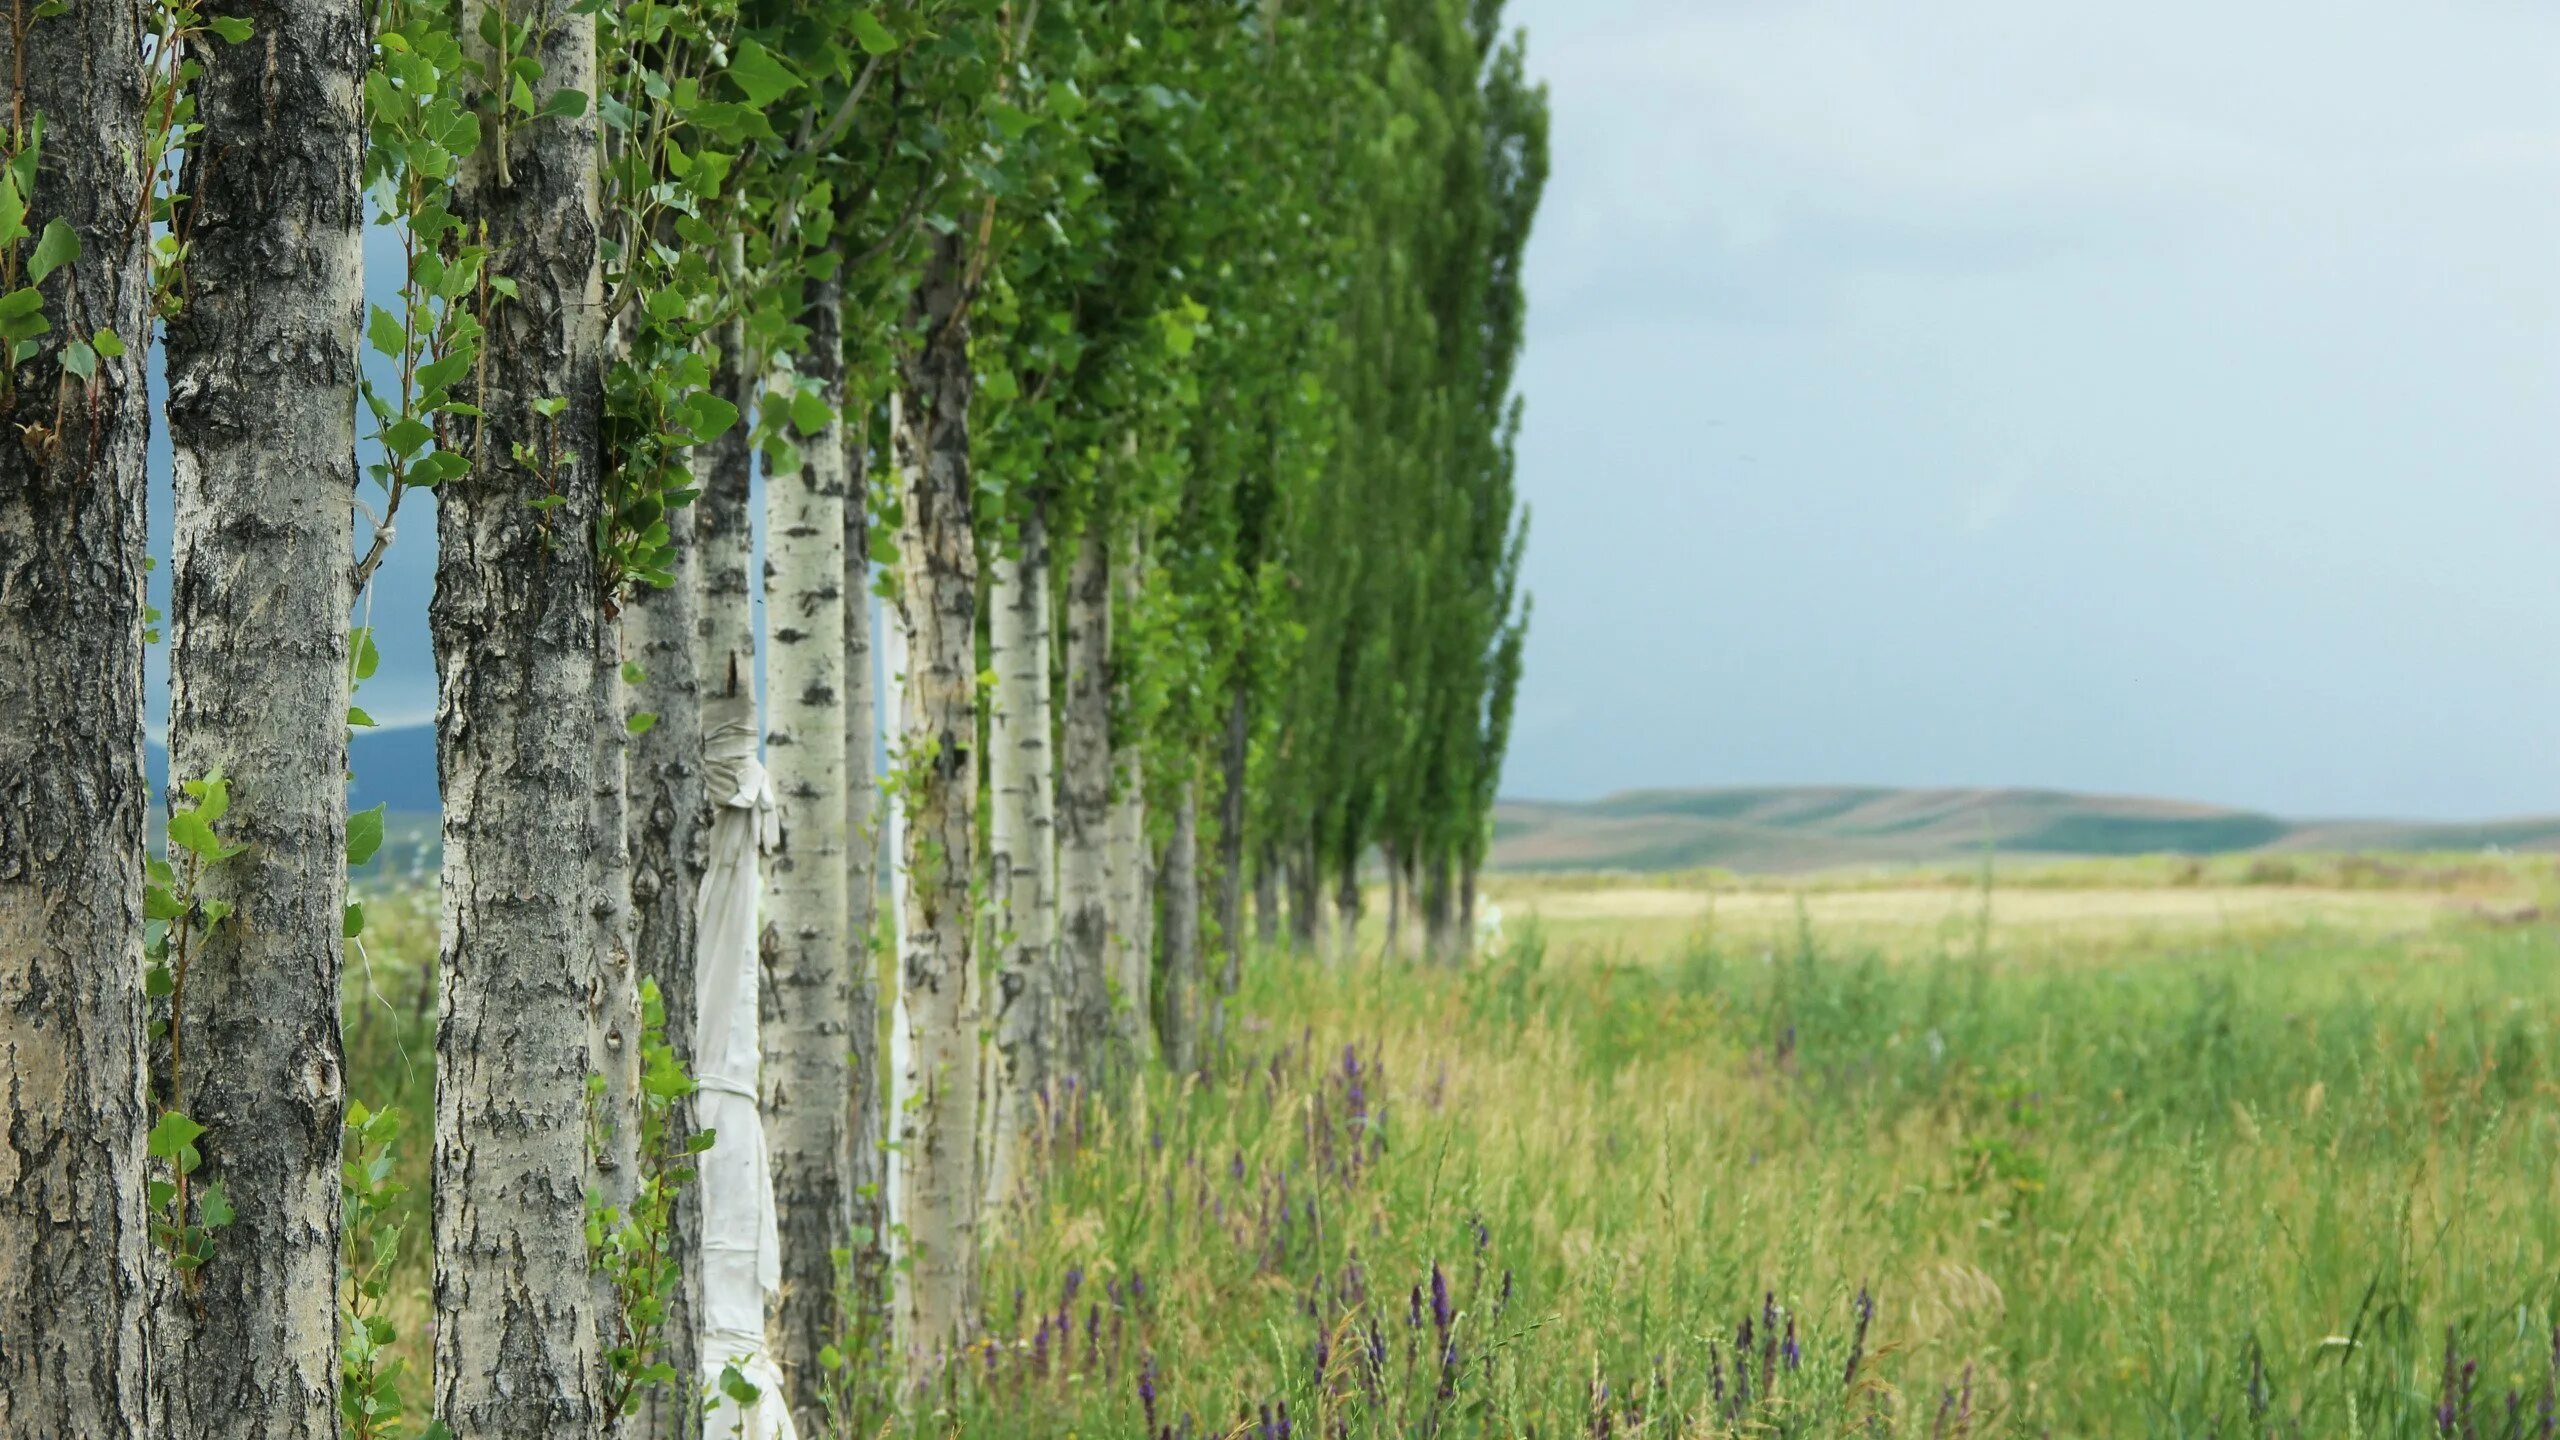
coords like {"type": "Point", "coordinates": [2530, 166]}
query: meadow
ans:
{"type": "Point", "coordinates": [2125, 1148]}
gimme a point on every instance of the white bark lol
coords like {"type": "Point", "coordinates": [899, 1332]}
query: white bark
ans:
{"type": "Point", "coordinates": [1132, 868]}
{"type": "Point", "coordinates": [862, 879]}
{"type": "Point", "coordinates": [893, 845]}
{"type": "Point", "coordinates": [1180, 1022]}
{"type": "Point", "coordinates": [938, 600]}
{"type": "Point", "coordinates": [1029, 1000]}
{"type": "Point", "coordinates": [1084, 808]}
{"type": "Point", "coordinates": [807, 995]}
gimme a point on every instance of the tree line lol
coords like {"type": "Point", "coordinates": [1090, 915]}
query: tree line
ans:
{"type": "Point", "coordinates": [1128, 392]}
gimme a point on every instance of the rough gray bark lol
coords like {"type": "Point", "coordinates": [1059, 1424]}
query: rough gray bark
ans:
{"type": "Point", "coordinates": [73, 1237]}
{"type": "Point", "coordinates": [668, 832]}
{"type": "Point", "coordinates": [1179, 1021]}
{"type": "Point", "coordinates": [1232, 750]}
{"type": "Point", "coordinates": [937, 605]}
{"type": "Point", "coordinates": [862, 884]}
{"type": "Point", "coordinates": [1029, 1001]}
{"type": "Point", "coordinates": [613, 1019]}
{"type": "Point", "coordinates": [515, 623]}
{"type": "Point", "coordinates": [807, 999]}
{"type": "Point", "coordinates": [1084, 807]}
{"type": "Point", "coordinates": [262, 395]}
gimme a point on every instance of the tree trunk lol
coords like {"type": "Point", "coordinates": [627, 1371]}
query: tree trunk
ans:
{"type": "Point", "coordinates": [613, 1021]}
{"type": "Point", "coordinates": [1266, 896]}
{"type": "Point", "coordinates": [937, 603]}
{"type": "Point", "coordinates": [1029, 1000]}
{"type": "Point", "coordinates": [515, 619]}
{"type": "Point", "coordinates": [1395, 900]}
{"type": "Point", "coordinates": [1180, 1024]}
{"type": "Point", "coordinates": [893, 851]}
{"type": "Point", "coordinates": [1231, 798]}
{"type": "Point", "coordinates": [807, 991]}
{"type": "Point", "coordinates": [669, 835]}
{"type": "Point", "coordinates": [73, 1232]}
{"type": "Point", "coordinates": [1306, 921]}
{"type": "Point", "coordinates": [862, 882]}
{"type": "Point", "coordinates": [1346, 905]}
{"type": "Point", "coordinates": [262, 394]}
{"type": "Point", "coordinates": [1439, 944]}
{"type": "Point", "coordinates": [1084, 807]}
{"type": "Point", "coordinates": [1133, 902]}
{"type": "Point", "coordinates": [725, 531]}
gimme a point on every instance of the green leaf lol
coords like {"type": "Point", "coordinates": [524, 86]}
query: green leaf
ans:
{"type": "Point", "coordinates": [870, 34]}
{"type": "Point", "coordinates": [386, 334]}
{"type": "Point", "coordinates": [351, 925]}
{"type": "Point", "coordinates": [107, 344]}
{"type": "Point", "coordinates": [174, 1136]}
{"type": "Point", "coordinates": [359, 717]}
{"type": "Point", "coordinates": [641, 723]}
{"type": "Point", "coordinates": [80, 359]}
{"type": "Point", "coordinates": [213, 1208]}
{"type": "Point", "coordinates": [230, 28]}
{"type": "Point", "coordinates": [760, 75]}
{"type": "Point", "coordinates": [365, 658]}
{"type": "Point", "coordinates": [364, 833]}
{"type": "Point", "coordinates": [809, 412]}
{"type": "Point", "coordinates": [57, 247]}
{"type": "Point", "coordinates": [188, 831]}
{"type": "Point", "coordinates": [565, 104]}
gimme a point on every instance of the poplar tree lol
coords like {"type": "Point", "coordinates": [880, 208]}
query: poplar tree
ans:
{"type": "Point", "coordinates": [74, 309]}
{"type": "Point", "coordinates": [262, 365]}
{"type": "Point", "coordinates": [519, 586]}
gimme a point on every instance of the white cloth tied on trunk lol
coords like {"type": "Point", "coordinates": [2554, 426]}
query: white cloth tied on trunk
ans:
{"type": "Point", "coordinates": [741, 1249]}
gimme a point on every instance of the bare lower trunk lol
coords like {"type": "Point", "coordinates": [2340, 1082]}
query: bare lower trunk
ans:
{"type": "Point", "coordinates": [1084, 807]}
{"type": "Point", "coordinates": [515, 621]}
{"type": "Point", "coordinates": [1395, 900]}
{"type": "Point", "coordinates": [893, 852]}
{"type": "Point", "coordinates": [1133, 904]}
{"type": "Point", "coordinates": [1306, 921]}
{"type": "Point", "coordinates": [807, 991]}
{"type": "Point", "coordinates": [669, 836]}
{"type": "Point", "coordinates": [613, 1022]}
{"type": "Point", "coordinates": [862, 884]}
{"type": "Point", "coordinates": [1467, 905]}
{"type": "Point", "coordinates": [73, 1262]}
{"type": "Point", "coordinates": [1346, 905]}
{"type": "Point", "coordinates": [937, 602]}
{"type": "Point", "coordinates": [1231, 797]}
{"type": "Point", "coordinates": [1439, 943]}
{"type": "Point", "coordinates": [1180, 1022]}
{"type": "Point", "coordinates": [262, 392]}
{"type": "Point", "coordinates": [1029, 1002]}
{"type": "Point", "coordinates": [1266, 897]}
{"type": "Point", "coordinates": [1132, 878]}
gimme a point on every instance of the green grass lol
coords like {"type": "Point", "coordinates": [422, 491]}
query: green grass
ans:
{"type": "Point", "coordinates": [2203, 1184]}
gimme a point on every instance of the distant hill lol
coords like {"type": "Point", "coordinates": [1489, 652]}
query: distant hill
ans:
{"type": "Point", "coordinates": [1817, 827]}
{"type": "Point", "coordinates": [394, 766]}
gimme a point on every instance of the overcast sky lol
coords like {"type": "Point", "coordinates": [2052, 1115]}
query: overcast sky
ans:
{"type": "Point", "coordinates": [2160, 399]}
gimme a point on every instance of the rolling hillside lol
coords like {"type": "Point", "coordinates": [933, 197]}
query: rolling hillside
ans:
{"type": "Point", "coordinates": [1813, 827]}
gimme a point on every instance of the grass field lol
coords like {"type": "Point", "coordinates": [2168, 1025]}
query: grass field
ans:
{"type": "Point", "coordinates": [2117, 1149]}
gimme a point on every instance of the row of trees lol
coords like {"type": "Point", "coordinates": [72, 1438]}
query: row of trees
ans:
{"type": "Point", "coordinates": [1148, 364]}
